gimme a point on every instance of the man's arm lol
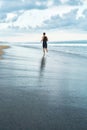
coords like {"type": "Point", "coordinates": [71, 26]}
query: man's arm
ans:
{"type": "Point", "coordinates": [42, 39]}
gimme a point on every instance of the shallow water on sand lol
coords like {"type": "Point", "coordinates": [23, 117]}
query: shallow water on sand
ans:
{"type": "Point", "coordinates": [43, 93]}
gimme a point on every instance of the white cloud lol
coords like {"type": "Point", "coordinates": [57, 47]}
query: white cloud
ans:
{"type": "Point", "coordinates": [10, 16]}
{"type": "Point", "coordinates": [0, 4]}
{"type": "Point", "coordinates": [35, 17]}
{"type": "Point", "coordinates": [38, 3]}
{"type": "Point", "coordinates": [3, 26]}
{"type": "Point", "coordinates": [81, 9]}
{"type": "Point", "coordinates": [50, 3]}
{"type": "Point", "coordinates": [64, 1]}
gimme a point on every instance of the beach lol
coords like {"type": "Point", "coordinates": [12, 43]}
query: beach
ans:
{"type": "Point", "coordinates": [43, 93]}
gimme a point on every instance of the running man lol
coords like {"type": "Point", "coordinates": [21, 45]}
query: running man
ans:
{"type": "Point", "coordinates": [44, 39]}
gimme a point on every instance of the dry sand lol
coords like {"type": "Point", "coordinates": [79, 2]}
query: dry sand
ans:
{"type": "Point", "coordinates": [1, 49]}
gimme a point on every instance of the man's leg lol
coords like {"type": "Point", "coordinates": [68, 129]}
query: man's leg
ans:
{"type": "Point", "coordinates": [44, 51]}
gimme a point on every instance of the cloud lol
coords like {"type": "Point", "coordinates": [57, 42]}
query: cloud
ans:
{"type": "Point", "coordinates": [2, 18]}
{"type": "Point", "coordinates": [35, 18]}
{"type": "Point", "coordinates": [67, 22]}
{"type": "Point", "coordinates": [68, 2]}
{"type": "Point", "coordinates": [17, 5]}
{"type": "Point", "coordinates": [85, 13]}
{"type": "Point", "coordinates": [43, 14]}
{"type": "Point", "coordinates": [73, 2]}
{"type": "Point", "coordinates": [83, 22]}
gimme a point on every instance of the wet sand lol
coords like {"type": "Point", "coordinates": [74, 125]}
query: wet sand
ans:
{"type": "Point", "coordinates": [42, 93]}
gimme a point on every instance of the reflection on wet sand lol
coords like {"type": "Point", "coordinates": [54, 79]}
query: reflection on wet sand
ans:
{"type": "Point", "coordinates": [43, 63]}
{"type": "Point", "coordinates": [42, 68]}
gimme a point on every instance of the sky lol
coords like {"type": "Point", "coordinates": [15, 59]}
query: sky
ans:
{"type": "Point", "coordinates": [26, 20]}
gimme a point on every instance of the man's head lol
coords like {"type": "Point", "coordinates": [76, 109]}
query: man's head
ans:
{"type": "Point", "coordinates": [44, 33]}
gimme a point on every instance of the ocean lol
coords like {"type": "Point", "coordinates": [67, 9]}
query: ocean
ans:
{"type": "Point", "coordinates": [68, 47]}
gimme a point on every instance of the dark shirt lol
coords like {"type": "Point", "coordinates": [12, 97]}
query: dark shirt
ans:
{"type": "Point", "coordinates": [45, 42]}
{"type": "Point", "coordinates": [45, 39]}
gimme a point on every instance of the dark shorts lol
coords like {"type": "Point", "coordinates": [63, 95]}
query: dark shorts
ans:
{"type": "Point", "coordinates": [44, 44]}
